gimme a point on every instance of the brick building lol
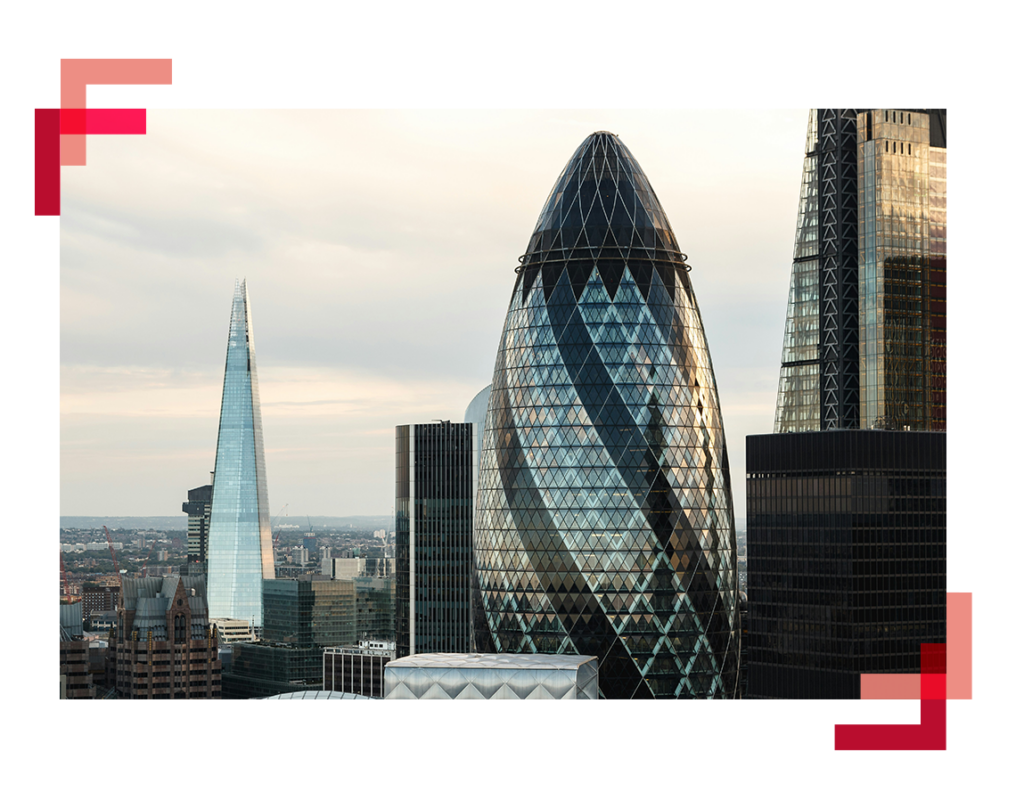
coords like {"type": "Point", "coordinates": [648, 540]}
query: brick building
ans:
{"type": "Point", "coordinates": [163, 643]}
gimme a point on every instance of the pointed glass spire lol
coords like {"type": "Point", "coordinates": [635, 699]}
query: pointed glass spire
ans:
{"type": "Point", "coordinates": [241, 550]}
{"type": "Point", "coordinates": [604, 523]}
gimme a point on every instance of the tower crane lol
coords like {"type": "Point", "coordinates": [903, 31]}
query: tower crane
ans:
{"type": "Point", "coordinates": [110, 545]}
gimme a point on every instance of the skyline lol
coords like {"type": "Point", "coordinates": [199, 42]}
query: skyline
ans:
{"type": "Point", "coordinates": [329, 244]}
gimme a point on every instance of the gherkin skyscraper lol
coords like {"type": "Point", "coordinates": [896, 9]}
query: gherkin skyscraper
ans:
{"type": "Point", "coordinates": [241, 552]}
{"type": "Point", "coordinates": [605, 523]}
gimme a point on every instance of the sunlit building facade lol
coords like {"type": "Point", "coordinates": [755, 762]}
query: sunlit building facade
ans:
{"type": "Point", "coordinates": [605, 522]}
{"type": "Point", "coordinates": [865, 340]}
{"type": "Point", "coordinates": [240, 546]}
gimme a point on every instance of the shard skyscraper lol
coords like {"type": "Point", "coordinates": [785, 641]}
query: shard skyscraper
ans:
{"type": "Point", "coordinates": [241, 552]}
{"type": "Point", "coordinates": [605, 522]}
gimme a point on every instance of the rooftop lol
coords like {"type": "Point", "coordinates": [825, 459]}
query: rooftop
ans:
{"type": "Point", "coordinates": [493, 661]}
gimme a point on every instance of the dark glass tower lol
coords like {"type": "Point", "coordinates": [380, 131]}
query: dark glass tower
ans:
{"type": "Point", "coordinates": [197, 507]}
{"type": "Point", "coordinates": [241, 555]}
{"type": "Point", "coordinates": [604, 522]}
{"type": "Point", "coordinates": [436, 482]}
{"type": "Point", "coordinates": [847, 558]}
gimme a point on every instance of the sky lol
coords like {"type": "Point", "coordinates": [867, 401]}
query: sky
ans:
{"type": "Point", "coordinates": [379, 250]}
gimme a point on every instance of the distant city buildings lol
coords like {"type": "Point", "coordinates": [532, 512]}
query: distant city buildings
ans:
{"type": "Point", "coordinates": [436, 485]}
{"type": "Point", "coordinates": [96, 599]}
{"type": "Point", "coordinates": [343, 568]}
{"type": "Point", "coordinates": [240, 547]}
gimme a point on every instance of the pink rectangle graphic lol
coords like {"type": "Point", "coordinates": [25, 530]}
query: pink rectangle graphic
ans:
{"type": "Point", "coordinates": [985, 645]}
{"type": "Point", "coordinates": [72, 150]}
{"type": "Point", "coordinates": [77, 73]}
{"type": "Point", "coordinates": [890, 685]}
{"type": "Point", "coordinates": [103, 121]}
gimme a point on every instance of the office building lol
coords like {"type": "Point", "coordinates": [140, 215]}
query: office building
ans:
{"type": "Point", "coordinates": [847, 558]}
{"type": "Point", "coordinates": [605, 521]}
{"type": "Point", "coordinates": [375, 607]}
{"type": "Point", "coordinates": [197, 507]}
{"type": "Point", "coordinates": [359, 668]}
{"type": "Point", "coordinates": [309, 613]}
{"type": "Point", "coordinates": [230, 631]}
{"type": "Point", "coordinates": [865, 340]}
{"type": "Point", "coordinates": [75, 676]}
{"type": "Point", "coordinates": [97, 599]}
{"type": "Point", "coordinates": [241, 551]}
{"type": "Point", "coordinates": [301, 617]}
{"type": "Point", "coordinates": [566, 677]}
{"type": "Point", "coordinates": [436, 482]}
{"type": "Point", "coordinates": [163, 644]}
{"type": "Point", "coordinates": [343, 568]}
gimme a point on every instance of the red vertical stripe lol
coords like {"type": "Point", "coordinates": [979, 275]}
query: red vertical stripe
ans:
{"type": "Point", "coordinates": [47, 162]}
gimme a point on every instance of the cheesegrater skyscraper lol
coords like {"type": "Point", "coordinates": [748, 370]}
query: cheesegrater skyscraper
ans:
{"type": "Point", "coordinates": [241, 552]}
{"type": "Point", "coordinates": [605, 524]}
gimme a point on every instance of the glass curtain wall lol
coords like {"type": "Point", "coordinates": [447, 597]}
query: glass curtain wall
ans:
{"type": "Point", "coordinates": [605, 523]}
{"type": "Point", "coordinates": [894, 165]}
{"type": "Point", "coordinates": [240, 548]}
{"type": "Point", "coordinates": [798, 407]}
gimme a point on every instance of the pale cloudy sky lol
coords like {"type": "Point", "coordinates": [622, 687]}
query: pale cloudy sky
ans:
{"type": "Point", "coordinates": [379, 249]}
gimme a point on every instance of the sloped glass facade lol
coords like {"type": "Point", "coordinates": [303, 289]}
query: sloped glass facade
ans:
{"type": "Point", "coordinates": [605, 522]}
{"type": "Point", "coordinates": [240, 548]}
{"type": "Point", "coordinates": [798, 405]}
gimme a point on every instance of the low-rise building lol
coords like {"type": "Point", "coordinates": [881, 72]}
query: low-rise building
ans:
{"type": "Point", "coordinates": [492, 676]}
{"type": "Point", "coordinates": [358, 669]}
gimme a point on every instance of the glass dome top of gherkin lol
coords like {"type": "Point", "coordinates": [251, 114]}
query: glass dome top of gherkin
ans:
{"type": "Point", "coordinates": [604, 522]}
{"type": "Point", "coordinates": [602, 208]}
